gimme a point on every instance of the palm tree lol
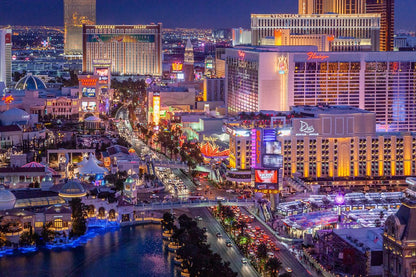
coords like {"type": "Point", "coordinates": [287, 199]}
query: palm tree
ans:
{"type": "Point", "coordinates": [261, 254]}
{"type": "Point", "coordinates": [244, 241]}
{"type": "Point", "coordinates": [273, 266]}
{"type": "Point", "coordinates": [168, 222]}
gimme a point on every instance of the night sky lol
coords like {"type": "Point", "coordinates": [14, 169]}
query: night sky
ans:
{"type": "Point", "coordinates": [172, 13]}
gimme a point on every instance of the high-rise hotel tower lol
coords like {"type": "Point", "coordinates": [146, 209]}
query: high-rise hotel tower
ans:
{"type": "Point", "coordinates": [132, 49]}
{"type": "Point", "coordinates": [76, 14]}
{"type": "Point", "coordinates": [383, 7]}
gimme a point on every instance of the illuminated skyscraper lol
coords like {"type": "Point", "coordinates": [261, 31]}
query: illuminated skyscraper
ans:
{"type": "Point", "coordinates": [131, 49]}
{"type": "Point", "coordinates": [6, 56]}
{"type": "Point", "coordinates": [356, 27]}
{"type": "Point", "coordinates": [77, 13]}
{"type": "Point", "coordinates": [331, 6]}
{"type": "Point", "coordinates": [189, 61]}
{"type": "Point", "coordinates": [383, 7]}
{"type": "Point", "coordinates": [386, 9]}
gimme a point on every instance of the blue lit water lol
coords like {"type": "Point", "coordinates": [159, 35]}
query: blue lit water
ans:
{"type": "Point", "coordinates": [127, 251]}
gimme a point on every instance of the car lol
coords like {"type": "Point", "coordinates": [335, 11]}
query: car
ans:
{"type": "Point", "coordinates": [220, 198]}
{"type": "Point", "coordinates": [228, 243]}
{"type": "Point", "coordinates": [198, 218]}
{"type": "Point", "coordinates": [288, 269]}
{"type": "Point", "coordinates": [218, 235]}
{"type": "Point", "coordinates": [270, 254]}
{"type": "Point", "coordinates": [244, 261]}
{"type": "Point", "coordinates": [204, 229]}
{"type": "Point", "coordinates": [229, 191]}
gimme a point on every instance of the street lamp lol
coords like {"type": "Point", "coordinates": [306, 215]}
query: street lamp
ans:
{"type": "Point", "coordinates": [339, 200]}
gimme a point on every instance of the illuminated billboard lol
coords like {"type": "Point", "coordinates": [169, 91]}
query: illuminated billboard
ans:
{"type": "Point", "coordinates": [266, 176]}
{"type": "Point", "coordinates": [269, 135]}
{"type": "Point", "coordinates": [156, 109]}
{"type": "Point", "coordinates": [273, 147]}
{"type": "Point", "coordinates": [8, 38]}
{"type": "Point", "coordinates": [255, 148]}
{"type": "Point", "coordinates": [177, 66]}
{"type": "Point", "coordinates": [88, 106]}
{"type": "Point", "coordinates": [88, 92]}
{"type": "Point", "coordinates": [272, 161]}
{"type": "Point", "coordinates": [103, 75]}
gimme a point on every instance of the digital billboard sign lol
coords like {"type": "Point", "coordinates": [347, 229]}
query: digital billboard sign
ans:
{"type": "Point", "coordinates": [269, 135]}
{"type": "Point", "coordinates": [272, 161]}
{"type": "Point", "coordinates": [266, 176]}
{"type": "Point", "coordinates": [273, 147]}
{"type": "Point", "coordinates": [88, 92]}
{"type": "Point", "coordinates": [88, 106]}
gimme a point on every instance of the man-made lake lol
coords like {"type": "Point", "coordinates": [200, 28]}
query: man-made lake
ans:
{"type": "Point", "coordinates": [128, 251]}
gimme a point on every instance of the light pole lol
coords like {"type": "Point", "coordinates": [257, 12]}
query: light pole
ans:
{"type": "Point", "coordinates": [339, 200]}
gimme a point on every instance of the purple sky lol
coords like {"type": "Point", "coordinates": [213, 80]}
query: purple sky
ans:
{"type": "Point", "coordinates": [172, 13]}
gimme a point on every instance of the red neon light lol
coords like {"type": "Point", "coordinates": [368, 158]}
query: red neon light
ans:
{"type": "Point", "coordinates": [315, 56]}
{"type": "Point", "coordinates": [241, 54]}
{"type": "Point", "coordinates": [8, 99]}
{"type": "Point", "coordinates": [89, 82]}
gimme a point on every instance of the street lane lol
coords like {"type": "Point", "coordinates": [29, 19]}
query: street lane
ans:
{"type": "Point", "coordinates": [284, 255]}
{"type": "Point", "coordinates": [229, 254]}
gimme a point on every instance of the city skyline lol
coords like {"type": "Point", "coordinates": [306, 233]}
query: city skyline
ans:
{"type": "Point", "coordinates": [200, 15]}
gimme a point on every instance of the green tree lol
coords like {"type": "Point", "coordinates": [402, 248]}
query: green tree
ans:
{"type": "Point", "coordinates": [79, 223]}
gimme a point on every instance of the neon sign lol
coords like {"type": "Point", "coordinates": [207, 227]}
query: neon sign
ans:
{"type": "Point", "coordinates": [258, 145]}
{"type": "Point", "coordinates": [241, 54]}
{"type": "Point", "coordinates": [253, 147]}
{"type": "Point", "coordinates": [88, 82]}
{"type": "Point", "coordinates": [315, 56]}
{"type": "Point", "coordinates": [8, 99]}
{"type": "Point", "coordinates": [156, 109]}
{"type": "Point", "coordinates": [306, 129]}
{"type": "Point", "coordinates": [177, 66]}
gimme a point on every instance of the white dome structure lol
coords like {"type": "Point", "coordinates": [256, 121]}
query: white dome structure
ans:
{"type": "Point", "coordinates": [72, 189]}
{"type": "Point", "coordinates": [30, 82]}
{"type": "Point", "coordinates": [7, 199]}
{"type": "Point", "coordinates": [14, 116]}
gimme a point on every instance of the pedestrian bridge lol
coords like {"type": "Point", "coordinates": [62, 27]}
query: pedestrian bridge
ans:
{"type": "Point", "coordinates": [170, 164]}
{"type": "Point", "coordinates": [192, 204]}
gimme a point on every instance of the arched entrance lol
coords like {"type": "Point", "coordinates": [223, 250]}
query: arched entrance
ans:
{"type": "Point", "coordinates": [112, 215]}
{"type": "Point", "coordinates": [101, 213]}
{"type": "Point", "coordinates": [91, 211]}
